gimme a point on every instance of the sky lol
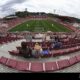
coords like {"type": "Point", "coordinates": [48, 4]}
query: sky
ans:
{"type": "Point", "coordinates": [61, 7]}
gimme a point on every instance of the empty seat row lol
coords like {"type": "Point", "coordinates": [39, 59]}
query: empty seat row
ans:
{"type": "Point", "coordinates": [65, 51]}
{"type": "Point", "coordinates": [8, 39]}
{"type": "Point", "coordinates": [39, 66]}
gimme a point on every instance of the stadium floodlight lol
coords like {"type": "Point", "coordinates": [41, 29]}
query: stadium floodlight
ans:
{"type": "Point", "coordinates": [54, 11]}
{"type": "Point", "coordinates": [25, 9]}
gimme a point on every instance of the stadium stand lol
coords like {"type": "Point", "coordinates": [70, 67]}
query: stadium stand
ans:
{"type": "Point", "coordinates": [70, 44]}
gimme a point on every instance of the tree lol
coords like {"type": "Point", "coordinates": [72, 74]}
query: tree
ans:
{"type": "Point", "coordinates": [21, 14]}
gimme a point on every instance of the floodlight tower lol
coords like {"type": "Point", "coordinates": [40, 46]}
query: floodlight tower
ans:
{"type": "Point", "coordinates": [26, 9]}
{"type": "Point", "coordinates": [39, 13]}
{"type": "Point", "coordinates": [54, 11]}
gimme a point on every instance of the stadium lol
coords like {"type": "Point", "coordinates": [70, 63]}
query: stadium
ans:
{"type": "Point", "coordinates": [39, 42]}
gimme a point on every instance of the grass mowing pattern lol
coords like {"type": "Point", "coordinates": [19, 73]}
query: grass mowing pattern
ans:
{"type": "Point", "coordinates": [46, 25]}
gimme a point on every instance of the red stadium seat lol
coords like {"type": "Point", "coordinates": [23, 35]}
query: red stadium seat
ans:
{"type": "Point", "coordinates": [73, 60]}
{"type": "Point", "coordinates": [61, 52]}
{"type": "Point", "coordinates": [23, 66]}
{"type": "Point", "coordinates": [72, 49]}
{"type": "Point", "coordinates": [3, 60]}
{"type": "Point", "coordinates": [37, 67]}
{"type": "Point", "coordinates": [67, 50]}
{"type": "Point", "coordinates": [11, 63]}
{"type": "Point", "coordinates": [78, 58]}
{"type": "Point", "coordinates": [14, 52]}
{"type": "Point", "coordinates": [18, 47]}
{"type": "Point", "coordinates": [63, 63]}
{"type": "Point", "coordinates": [51, 66]}
{"type": "Point", "coordinates": [55, 53]}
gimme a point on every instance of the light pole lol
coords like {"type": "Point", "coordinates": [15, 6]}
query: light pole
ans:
{"type": "Point", "coordinates": [26, 9]}
{"type": "Point", "coordinates": [54, 11]}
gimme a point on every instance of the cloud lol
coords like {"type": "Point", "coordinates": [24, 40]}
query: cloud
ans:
{"type": "Point", "coordinates": [62, 7]}
{"type": "Point", "coordinates": [7, 7]}
{"type": "Point", "coordinates": [10, 3]}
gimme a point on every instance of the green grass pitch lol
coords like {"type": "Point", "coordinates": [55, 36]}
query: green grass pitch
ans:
{"type": "Point", "coordinates": [40, 26]}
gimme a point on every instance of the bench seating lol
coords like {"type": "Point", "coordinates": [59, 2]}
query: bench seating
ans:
{"type": "Point", "coordinates": [73, 60]}
{"type": "Point", "coordinates": [22, 66]}
{"type": "Point", "coordinates": [39, 66]}
{"type": "Point", "coordinates": [51, 66]}
{"type": "Point", "coordinates": [78, 58]}
{"type": "Point", "coordinates": [11, 63]}
{"type": "Point", "coordinates": [3, 60]}
{"type": "Point", "coordinates": [13, 52]}
{"type": "Point", "coordinates": [63, 63]}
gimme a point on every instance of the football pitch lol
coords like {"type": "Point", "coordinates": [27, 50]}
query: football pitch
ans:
{"type": "Point", "coordinates": [40, 26]}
